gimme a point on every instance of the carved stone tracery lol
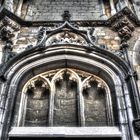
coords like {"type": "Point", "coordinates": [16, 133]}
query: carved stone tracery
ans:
{"type": "Point", "coordinates": [75, 84]}
{"type": "Point", "coordinates": [65, 34]}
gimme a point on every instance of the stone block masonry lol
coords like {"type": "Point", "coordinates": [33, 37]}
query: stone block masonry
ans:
{"type": "Point", "coordinates": [53, 9]}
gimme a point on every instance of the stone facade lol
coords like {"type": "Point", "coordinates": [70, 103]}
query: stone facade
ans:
{"type": "Point", "coordinates": [85, 53]}
{"type": "Point", "coordinates": [47, 10]}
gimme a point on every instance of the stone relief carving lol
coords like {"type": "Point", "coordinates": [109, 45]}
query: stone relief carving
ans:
{"type": "Point", "coordinates": [7, 52]}
{"type": "Point", "coordinates": [7, 29]}
{"type": "Point", "coordinates": [66, 38]}
{"type": "Point", "coordinates": [7, 33]}
{"type": "Point", "coordinates": [66, 34]}
{"type": "Point", "coordinates": [124, 28]}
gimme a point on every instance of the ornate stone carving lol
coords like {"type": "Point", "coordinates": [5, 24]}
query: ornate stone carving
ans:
{"type": "Point", "coordinates": [66, 16]}
{"type": "Point", "coordinates": [37, 89]}
{"type": "Point", "coordinates": [91, 31]}
{"type": "Point", "coordinates": [7, 32]}
{"type": "Point", "coordinates": [7, 52]}
{"type": "Point", "coordinates": [136, 124]}
{"type": "Point", "coordinates": [132, 74]}
{"type": "Point", "coordinates": [124, 28]}
{"type": "Point", "coordinates": [119, 53]}
{"type": "Point", "coordinates": [7, 29]}
{"type": "Point", "coordinates": [41, 34]}
{"type": "Point", "coordinates": [66, 37]}
{"type": "Point", "coordinates": [66, 34]}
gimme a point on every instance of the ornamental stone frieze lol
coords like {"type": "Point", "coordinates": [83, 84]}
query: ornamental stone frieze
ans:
{"type": "Point", "coordinates": [66, 33]}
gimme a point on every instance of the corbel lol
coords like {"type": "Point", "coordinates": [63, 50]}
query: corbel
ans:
{"type": "Point", "coordinates": [133, 74]}
{"type": "Point", "coordinates": [124, 27]}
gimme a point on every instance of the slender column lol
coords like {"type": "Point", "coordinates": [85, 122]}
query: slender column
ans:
{"type": "Point", "coordinates": [103, 10]}
{"type": "Point", "coordinates": [81, 106]}
{"type": "Point", "coordinates": [18, 11]}
{"type": "Point", "coordinates": [124, 3]}
{"type": "Point", "coordinates": [51, 104]}
{"type": "Point", "coordinates": [113, 10]}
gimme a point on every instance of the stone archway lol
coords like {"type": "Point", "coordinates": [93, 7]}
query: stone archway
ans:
{"type": "Point", "coordinates": [70, 58]}
{"type": "Point", "coordinates": [77, 98]}
{"type": "Point", "coordinates": [67, 48]}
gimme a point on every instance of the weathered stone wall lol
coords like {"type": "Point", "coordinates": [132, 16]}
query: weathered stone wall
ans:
{"type": "Point", "coordinates": [95, 108]}
{"type": "Point", "coordinates": [25, 37]}
{"type": "Point", "coordinates": [65, 104]}
{"type": "Point", "coordinates": [104, 36]}
{"type": "Point", "coordinates": [28, 36]}
{"type": "Point", "coordinates": [53, 9]}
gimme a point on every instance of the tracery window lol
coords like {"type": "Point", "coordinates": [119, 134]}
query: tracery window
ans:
{"type": "Point", "coordinates": [65, 97]}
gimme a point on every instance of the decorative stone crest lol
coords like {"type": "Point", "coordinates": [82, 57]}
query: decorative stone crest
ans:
{"type": "Point", "coordinates": [65, 34]}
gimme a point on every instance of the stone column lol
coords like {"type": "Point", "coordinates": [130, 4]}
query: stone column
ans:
{"type": "Point", "coordinates": [104, 16]}
{"type": "Point", "coordinates": [113, 10]}
{"type": "Point", "coordinates": [9, 4]}
{"type": "Point", "coordinates": [136, 5]}
{"type": "Point", "coordinates": [18, 10]}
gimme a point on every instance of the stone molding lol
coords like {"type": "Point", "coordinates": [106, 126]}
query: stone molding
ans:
{"type": "Point", "coordinates": [84, 23]}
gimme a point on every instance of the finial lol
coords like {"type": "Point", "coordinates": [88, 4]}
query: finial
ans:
{"type": "Point", "coordinates": [66, 16]}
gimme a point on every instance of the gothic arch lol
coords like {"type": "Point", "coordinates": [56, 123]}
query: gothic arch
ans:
{"type": "Point", "coordinates": [70, 52]}
{"type": "Point", "coordinates": [58, 57]}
